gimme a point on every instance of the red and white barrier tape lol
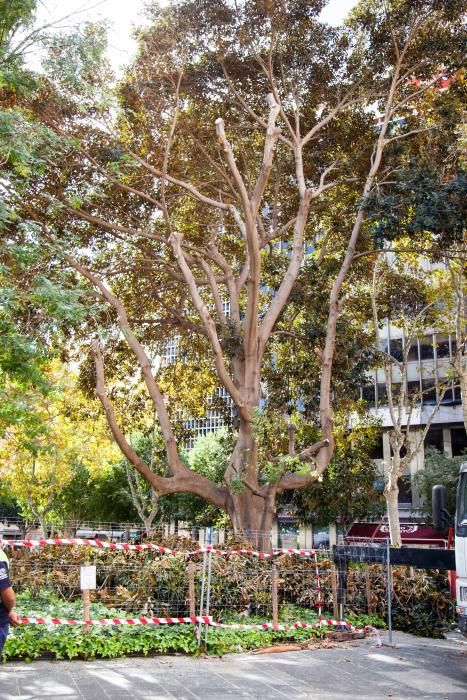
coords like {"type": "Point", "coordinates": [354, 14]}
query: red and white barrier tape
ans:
{"type": "Point", "coordinates": [254, 553]}
{"type": "Point", "coordinates": [102, 544]}
{"type": "Point", "coordinates": [285, 628]}
{"type": "Point", "coordinates": [205, 620]}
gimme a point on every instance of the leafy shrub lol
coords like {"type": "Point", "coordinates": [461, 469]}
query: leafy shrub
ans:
{"type": "Point", "coordinates": [422, 605]}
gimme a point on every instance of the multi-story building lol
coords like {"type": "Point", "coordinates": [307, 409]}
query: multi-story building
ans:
{"type": "Point", "coordinates": [435, 396]}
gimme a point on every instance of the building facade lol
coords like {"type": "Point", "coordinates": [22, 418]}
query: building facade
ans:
{"type": "Point", "coordinates": [434, 397]}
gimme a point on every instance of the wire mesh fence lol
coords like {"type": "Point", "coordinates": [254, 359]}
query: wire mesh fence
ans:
{"type": "Point", "coordinates": [284, 588]}
{"type": "Point", "coordinates": [150, 583]}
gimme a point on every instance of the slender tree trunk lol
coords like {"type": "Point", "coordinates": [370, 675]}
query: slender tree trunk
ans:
{"type": "Point", "coordinates": [391, 494]}
{"type": "Point", "coordinates": [43, 525]}
{"type": "Point", "coordinates": [148, 526]}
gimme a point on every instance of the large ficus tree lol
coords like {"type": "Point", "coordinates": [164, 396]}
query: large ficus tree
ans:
{"type": "Point", "coordinates": [246, 136]}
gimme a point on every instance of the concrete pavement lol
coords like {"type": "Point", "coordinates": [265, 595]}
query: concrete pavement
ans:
{"type": "Point", "coordinates": [416, 668]}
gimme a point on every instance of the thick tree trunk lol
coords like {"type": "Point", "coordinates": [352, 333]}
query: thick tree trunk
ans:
{"type": "Point", "coordinates": [251, 507]}
{"type": "Point", "coordinates": [243, 462]}
{"type": "Point", "coordinates": [252, 517]}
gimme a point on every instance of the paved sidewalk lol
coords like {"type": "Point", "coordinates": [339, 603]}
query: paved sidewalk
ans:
{"type": "Point", "coordinates": [416, 668]}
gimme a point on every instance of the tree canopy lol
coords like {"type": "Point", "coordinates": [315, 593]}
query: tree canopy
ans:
{"type": "Point", "coordinates": [36, 466]}
{"type": "Point", "coordinates": [224, 185]}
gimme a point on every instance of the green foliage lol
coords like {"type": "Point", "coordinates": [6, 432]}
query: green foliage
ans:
{"type": "Point", "coordinates": [348, 489]}
{"type": "Point", "coordinates": [209, 457]}
{"type": "Point", "coordinates": [292, 613]}
{"type": "Point", "coordinates": [36, 464]}
{"type": "Point", "coordinates": [420, 202]}
{"type": "Point", "coordinates": [32, 641]}
{"type": "Point", "coordinates": [438, 469]}
{"type": "Point", "coordinates": [16, 19]}
{"type": "Point", "coordinates": [77, 65]}
{"type": "Point", "coordinates": [294, 370]}
{"type": "Point", "coordinates": [366, 621]}
{"type": "Point", "coordinates": [22, 360]}
{"type": "Point", "coordinates": [103, 497]}
{"type": "Point", "coordinates": [33, 295]}
{"type": "Point", "coordinates": [272, 432]}
{"type": "Point", "coordinates": [106, 496]}
{"type": "Point", "coordinates": [94, 202]}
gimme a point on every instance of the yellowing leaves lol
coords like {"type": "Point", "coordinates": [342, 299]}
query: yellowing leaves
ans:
{"type": "Point", "coordinates": [35, 467]}
{"type": "Point", "coordinates": [186, 386]}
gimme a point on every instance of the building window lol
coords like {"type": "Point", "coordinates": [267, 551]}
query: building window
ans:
{"type": "Point", "coordinates": [384, 345]}
{"type": "Point", "coordinates": [368, 394]}
{"type": "Point", "coordinates": [402, 451]}
{"type": "Point", "coordinates": [288, 533]}
{"type": "Point", "coordinates": [382, 394]}
{"type": "Point", "coordinates": [405, 490]}
{"type": "Point", "coordinates": [427, 348]}
{"type": "Point", "coordinates": [171, 351]}
{"type": "Point", "coordinates": [377, 451]}
{"type": "Point", "coordinates": [413, 352]}
{"type": "Point", "coordinates": [448, 397]}
{"type": "Point", "coordinates": [458, 441]}
{"type": "Point", "coordinates": [429, 392]}
{"type": "Point", "coordinates": [396, 349]}
{"type": "Point", "coordinates": [214, 420]}
{"type": "Point", "coordinates": [434, 439]}
{"type": "Point", "coordinates": [321, 538]}
{"type": "Point", "coordinates": [413, 391]}
{"type": "Point", "coordinates": [442, 346]}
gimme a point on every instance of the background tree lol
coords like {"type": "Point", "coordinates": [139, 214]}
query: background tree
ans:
{"type": "Point", "coordinates": [166, 223]}
{"type": "Point", "coordinates": [438, 469]}
{"type": "Point", "coordinates": [418, 222]}
{"type": "Point", "coordinates": [405, 294]}
{"type": "Point", "coordinates": [37, 306]}
{"type": "Point", "coordinates": [104, 495]}
{"type": "Point", "coordinates": [35, 468]}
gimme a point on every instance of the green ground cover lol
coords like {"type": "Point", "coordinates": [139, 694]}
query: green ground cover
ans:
{"type": "Point", "coordinates": [30, 642]}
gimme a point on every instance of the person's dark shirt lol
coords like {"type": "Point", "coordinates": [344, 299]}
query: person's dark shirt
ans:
{"type": "Point", "coordinates": [4, 583]}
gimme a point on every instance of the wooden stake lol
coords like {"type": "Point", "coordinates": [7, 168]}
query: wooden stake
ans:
{"type": "Point", "coordinates": [275, 601]}
{"type": "Point", "coordinates": [86, 596]}
{"type": "Point", "coordinates": [86, 608]}
{"type": "Point", "coordinates": [369, 605]}
{"type": "Point", "coordinates": [191, 588]}
{"type": "Point", "coordinates": [334, 592]}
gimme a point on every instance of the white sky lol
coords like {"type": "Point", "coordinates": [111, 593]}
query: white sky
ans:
{"type": "Point", "coordinates": [121, 15]}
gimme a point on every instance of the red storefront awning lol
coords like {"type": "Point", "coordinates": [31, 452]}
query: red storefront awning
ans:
{"type": "Point", "coordinates": [412, 533]}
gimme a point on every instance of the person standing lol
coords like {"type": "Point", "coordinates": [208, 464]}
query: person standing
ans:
{"type": "Point", "coordinates": [7, 601]}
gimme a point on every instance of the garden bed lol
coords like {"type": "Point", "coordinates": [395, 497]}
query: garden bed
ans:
{"type": "Point", "coordinates": [30, 642]}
